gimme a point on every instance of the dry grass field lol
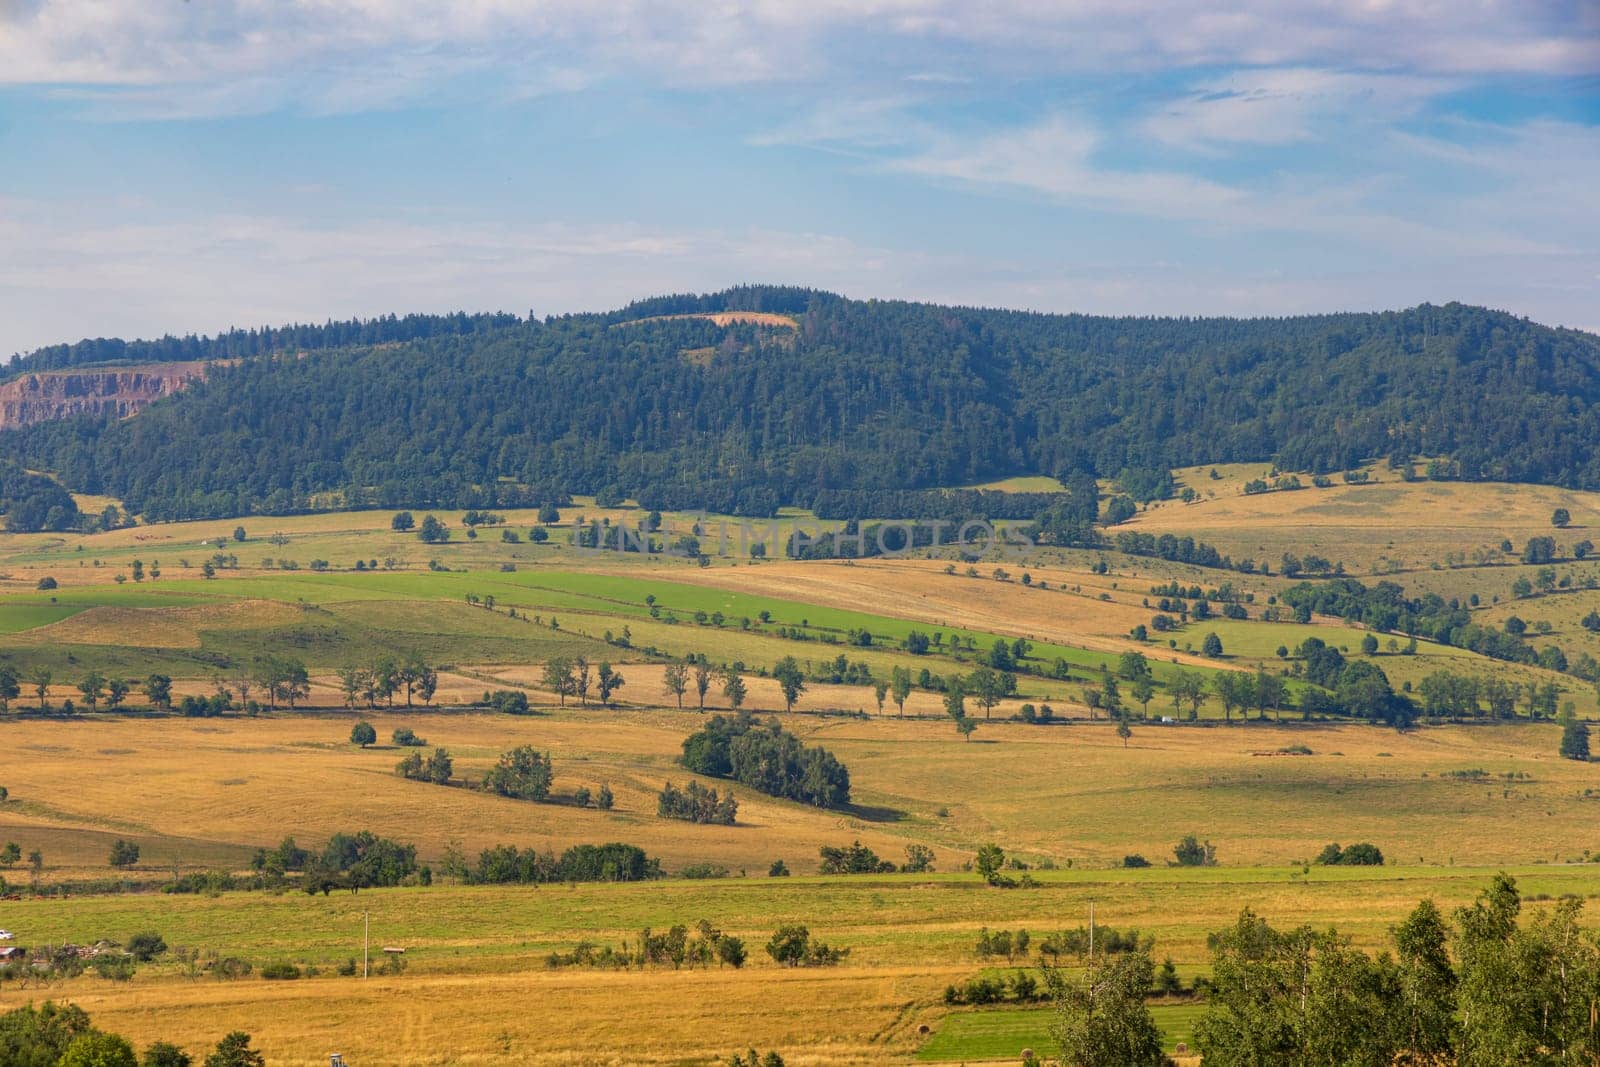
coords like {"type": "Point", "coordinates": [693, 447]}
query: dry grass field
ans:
{"type": "Point", "coordinates": [1447, 804]}
{"type": "Point", "coordinates": [208, 791]}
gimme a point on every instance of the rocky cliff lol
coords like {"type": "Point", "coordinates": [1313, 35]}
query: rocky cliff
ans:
{"type": "Point", "coordinates": [120, 391]}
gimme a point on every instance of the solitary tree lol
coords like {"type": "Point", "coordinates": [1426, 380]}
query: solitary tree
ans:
{"type": "Point", "coordinates": [702, 681]}
{"type": "Point", "coordinates": [10, 688]}
{"type": "Point", "coordinates": [676, 680]}
{"type": "Point", "coordinates": [1561, 518]}
{"type": "Point", "coordinates": [235, 1051]}
{"type": "Point", "coordinates": [558, 678]}
{"type": "Point", "coordinates": [880, 689]}
{"type": "Point", "coordinates": [581, 679]}
{"type": "Point", "coordinates": [733, 687]}
{"type": "Point", "coordinates": [609, 682]}
{"type": "Point", "coordinates": [1124, 731]}
{"type": "Point", "coordinates": [900, 686]}
{"type": "Point", "coordinates": [792, 681]}
{"type": "Point", "coordinates": [363, 734]}
{"type": "Point", "coordinates": [1575, 740]}
{"type": "Point", "coordinates": [93, 688]}
{"type": "Point", "coordinates": [40, 680]}
{"type": "Point", "coordinates": [1144, 691]}
{"type": "Point", "coordinates": [124, 854]}
{"type": "Point", "coordinates": [158, 687]}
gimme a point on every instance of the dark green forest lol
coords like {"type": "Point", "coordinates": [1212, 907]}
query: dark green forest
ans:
{"type": "Point", "coordinates": [861, 402]}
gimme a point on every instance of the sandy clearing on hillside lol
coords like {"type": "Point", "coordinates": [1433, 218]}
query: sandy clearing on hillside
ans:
{"type": "Point", "coordinates": [724, 318]}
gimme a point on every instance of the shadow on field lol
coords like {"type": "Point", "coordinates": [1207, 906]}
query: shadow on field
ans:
{"type": "Point", "coordinates": [875, 814]}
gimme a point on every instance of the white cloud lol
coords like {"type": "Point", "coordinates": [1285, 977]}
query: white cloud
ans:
{"type": "Point", "coordinates": [1056, 158]}
{"type": "Point", "coordinates": [358, 53]}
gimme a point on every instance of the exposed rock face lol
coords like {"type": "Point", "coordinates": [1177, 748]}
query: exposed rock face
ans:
{"type": "Point", "coordinates": [120, 391]}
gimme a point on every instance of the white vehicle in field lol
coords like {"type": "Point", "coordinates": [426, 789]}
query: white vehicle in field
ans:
{"type": "Point", "coordinates": [5, 935]}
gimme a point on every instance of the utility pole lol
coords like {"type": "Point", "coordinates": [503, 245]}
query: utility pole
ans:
{"type": "Point", "coordinates": [366, 929]}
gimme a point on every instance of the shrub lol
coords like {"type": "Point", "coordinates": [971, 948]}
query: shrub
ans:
{"type": "Point", "coordinates": [1191, 853]}
{"type": "Point", "coordinates": [280, 972]}
{"type": "Point", "coordinates": [146, 946]}
{"type": "Point", "coordinates": [1135, 860]}
{"type": "Point", "coordinates": [509, 701]}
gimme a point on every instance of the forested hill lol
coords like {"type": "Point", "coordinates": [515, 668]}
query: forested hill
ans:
{"type": "Point", "coordinates": [842, 395]}
{"type": "Point", "coordinates": [236, 344]}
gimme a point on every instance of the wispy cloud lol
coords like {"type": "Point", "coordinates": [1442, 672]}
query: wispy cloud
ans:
{"type": "Point", "coordinates": [1285, 106]}
{"type": "Point", "coordinates": [366, 53]}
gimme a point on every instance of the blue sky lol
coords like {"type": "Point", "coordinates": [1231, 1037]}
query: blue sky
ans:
{"type": "Point", "coordinates": [189, 165]}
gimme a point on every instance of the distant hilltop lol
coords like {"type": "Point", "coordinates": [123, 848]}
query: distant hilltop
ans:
{"type": "Point", "coordinates": [759, 397]}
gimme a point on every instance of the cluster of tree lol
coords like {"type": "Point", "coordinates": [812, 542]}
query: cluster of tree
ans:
{"type": "Point", "coordinates": [1492, 990]}
{"type": "Point", "coordinates": [868, 396]}
{"type": "Point", "coordinates": [1446, 694]}
{"type": "Point", "coordinates": [380, 681]}
{"type": "Point", "coordinates": [855, 858]}
{"type": "Point", "coordinates": [508, 865]}
{"type": "Point", "coordinates": [61, 1035]}
{"type": "Point", "coordinates": [575, 676]}
{"type": "Point", "coordinates": [362, 860]}
{"type": "Point", "coordinates": [1021, 987]}
{"type": "Point", "coordinates": [524, 773]}
{"type": "Point", "coordinates": [676, 947]}
{"type": "Point", "coordinates": [1361, 854]}
{"type": "Point", "coordinates": [696, 803]}
{"type": "Point", "coordinates": [32, 502]}
{"type": "Point", "coordinates": [767, 758]}
{"type": "Point", "coordinates": [437, 768]}
{"type": "Point", "coordinates": [1384, 608]}
{"type": "Point", "coordinates": [793, 946]}
{"type": "Point", "coordinates": [1176, 549]}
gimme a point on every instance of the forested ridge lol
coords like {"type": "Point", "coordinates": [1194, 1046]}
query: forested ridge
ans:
{"type": "Point", "coordinates": [863, 397]}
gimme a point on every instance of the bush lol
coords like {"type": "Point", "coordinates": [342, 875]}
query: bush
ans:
{"type": "Point", "coordinates": [779, 869]}
{"type": "Point", "coordinates": [1191, 853]}
{"type": "Point", "coordinates": [146, 946]}
{"type": "Point", "coordinates": [509, 701]}
{"type": "Point", "coordinates": [405, 737]}
{"type": "Point", "coordinates": [280, 972]}
{"type": "Point", "coordinates": [1135, 860]}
